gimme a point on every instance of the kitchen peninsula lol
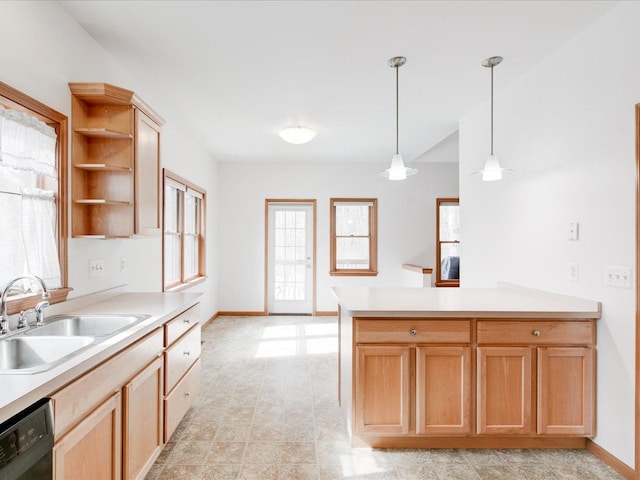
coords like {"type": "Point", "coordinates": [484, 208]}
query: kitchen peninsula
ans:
{"type": "Point", "coordinates": [503, 367]}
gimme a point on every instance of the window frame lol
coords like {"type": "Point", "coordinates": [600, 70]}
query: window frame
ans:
{"type": "Point", "coordinates": [439, 281]}
{"type": "Point", "coordinates": [373, 239]}
{"type": "Point", "coordinates": [16, 100]}
{"type": "Point", "coordinates": [200, 276]}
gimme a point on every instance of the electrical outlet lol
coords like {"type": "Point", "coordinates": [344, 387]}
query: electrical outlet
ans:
{"type": "Point", "coordinates": [618, 277]}
{"type": "Point", "coordinates": [96, 268]}
{"type": "Point", "coordinates": [573, 272]}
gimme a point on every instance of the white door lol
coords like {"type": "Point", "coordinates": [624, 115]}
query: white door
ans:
{"type": "Point", "coordinates": [290, 258]}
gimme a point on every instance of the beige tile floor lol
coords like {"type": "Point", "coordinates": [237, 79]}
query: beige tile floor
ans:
{"type": "Point", "coordinates": [268, 411]}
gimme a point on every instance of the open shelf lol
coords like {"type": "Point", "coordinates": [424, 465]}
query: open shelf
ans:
{"type": "Point", "coordinates": [101, 133]}
{"type": "Point", "coordinates": [100, 201]}
{"type": "Point", "coordinates": [102, 166]}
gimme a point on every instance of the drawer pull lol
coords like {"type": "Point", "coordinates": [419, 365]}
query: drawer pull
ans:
{"type": "Point", "coordinates": [187, 395]}
{"type": "Point", "coordinates": [536, 333]}
{"type": "Point", "coordinates": [413, 333]}
{"type": "Point", "coordinates": [186, 320]}
{"type": "Point", "coordinates": [187, 353]}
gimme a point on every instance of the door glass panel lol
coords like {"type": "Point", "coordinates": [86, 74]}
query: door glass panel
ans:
{"type": "Point", "coordinates": [289, 246]}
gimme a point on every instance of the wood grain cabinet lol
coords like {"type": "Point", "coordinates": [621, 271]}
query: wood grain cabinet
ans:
{"type": "Point", "coordinates": [536, 378]}
{"type": "Point", "coordinates": [115, 162]}
{"type": "Point", "coordinates": [412, 377]}
{"type": "Point", "coordinates": [113, 421]}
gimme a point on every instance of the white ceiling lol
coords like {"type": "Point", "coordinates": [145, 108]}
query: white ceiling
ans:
{"type": "Point", "coordinates": [238, 71]}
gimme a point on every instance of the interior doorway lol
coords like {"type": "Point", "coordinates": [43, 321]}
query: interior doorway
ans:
{"type": "Point", "coordinates": [290, 256]}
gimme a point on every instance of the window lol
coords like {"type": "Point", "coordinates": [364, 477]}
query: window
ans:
{"type": "Point", "coordinates": [183, 241]}
{"type": "Point", "coordinates": [33, 158]}
{"type": "Point", "coordinates": [354, 230]}
{"type": "Point", "coordinates": [447, 242]}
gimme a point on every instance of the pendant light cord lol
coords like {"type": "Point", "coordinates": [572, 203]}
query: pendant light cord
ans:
{"type": "Point", "coordinates": [491, 109]}
{"type": "Point", "coordinates": [397, 111]}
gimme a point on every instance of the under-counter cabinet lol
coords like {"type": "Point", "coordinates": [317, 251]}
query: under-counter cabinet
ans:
{"type": "Point", "coordinates": [412, 377]}
{"type": "Point", "coordinates": [112, 422]}
{"type": "Point", "coordinates": [115, 162]}
{"type": "Point", "coordinates": [536, 378]}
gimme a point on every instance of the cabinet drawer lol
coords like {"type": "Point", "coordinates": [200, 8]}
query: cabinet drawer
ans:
{"type": "Point", "coordinates": [180, 356]}
{"type": "Point", "coordinates": [174, 328]}
{"type": "Point", "coordinates": [536, 333]}
{"type": "Point", "coordinates": [179, 401]}
{"type": "Point", "coordinates": [73, 402]}
{"type": "Point", "coordinates": [413, 331]}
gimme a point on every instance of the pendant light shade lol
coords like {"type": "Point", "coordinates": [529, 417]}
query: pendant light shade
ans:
{"type": "Point", "coordinates": [397, 170]}
{"type": "Point", "coordinates": [297, 134]}
{"type": "Point", "coordinates": [492, 170]}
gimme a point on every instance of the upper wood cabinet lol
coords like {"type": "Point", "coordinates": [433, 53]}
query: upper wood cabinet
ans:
{"type": "Point", "coordinates": [115, 162]}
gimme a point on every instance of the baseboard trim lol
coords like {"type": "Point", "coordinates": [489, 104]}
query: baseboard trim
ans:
{"type": "Point", "coordinates": [242, 314]}
{"type": "Point", "coordinates": [618, 465]}
{"type": "Point", "coordinates": [320, 313]}
{"type": "Point", "coordinates": [210, 321]}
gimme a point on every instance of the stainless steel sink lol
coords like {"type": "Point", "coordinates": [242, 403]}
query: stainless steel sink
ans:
{"type": "Point", "coordinates": [21, 354]}
{"type": "Point", "coordinates": [92, 325]}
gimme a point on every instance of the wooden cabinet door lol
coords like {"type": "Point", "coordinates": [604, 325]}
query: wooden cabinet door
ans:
{"type": "Point", "coordinates": [504, 387]}
{"type": "Point", "coordinates": [443, 382]}
{"type": "Point", "coordinates": [143, 417]}
{"type": "Point", "coordinates": [147, 175]}
{"type": "Point", "coordinates": [566, 391]}
{"type": "Point", "coordinates": [382, 389]}
{"type": "Point", "coordinates": [92, 448]}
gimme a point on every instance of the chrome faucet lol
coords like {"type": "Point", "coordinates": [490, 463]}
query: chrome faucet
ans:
{"type": "Point", "coordinates": [4, 319]}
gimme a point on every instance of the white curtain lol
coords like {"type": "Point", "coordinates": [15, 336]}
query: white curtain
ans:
{"type": "Point", "coordinates": [26, 143]}
{"type": "Point", "coordinates": [39, 235]}
{"type": "Point", "coordinates": [29, 242]}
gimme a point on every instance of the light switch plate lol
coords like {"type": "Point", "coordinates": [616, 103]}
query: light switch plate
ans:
{"type": "Point", "coordinates": [618, 277]}
{"type": "Point", "coordinates": [573, 230]}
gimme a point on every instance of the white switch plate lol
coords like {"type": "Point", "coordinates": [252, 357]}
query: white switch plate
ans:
{"type": "Point", "coordinates": [96, 268]}
{"type": "Point", "coordinates": [573, 230]}
{"type": "Point", "coordinates": [573, 271]}
{"type": "Point", "coordinates": [618, 277]}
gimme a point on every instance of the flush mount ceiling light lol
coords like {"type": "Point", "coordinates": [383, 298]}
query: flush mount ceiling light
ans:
{"type": "Point", "coordinates": [397, 170]}
{"type": "Point", "coordinates": [297, 134]}
{"type": "Point", "coordinates": [492, 170]}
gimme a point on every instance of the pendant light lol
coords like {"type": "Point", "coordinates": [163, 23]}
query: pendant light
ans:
{"type": "Point", "coordinates": [397, 170]}
{"type": "Point", "coordinates": [492, 170]}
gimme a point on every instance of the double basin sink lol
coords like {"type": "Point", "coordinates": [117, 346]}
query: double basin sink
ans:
{"type": "Point", "coordinates": [38, 349]}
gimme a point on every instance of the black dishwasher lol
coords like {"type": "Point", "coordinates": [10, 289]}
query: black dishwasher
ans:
{"type": "Point", "coordinates": [26, 443]}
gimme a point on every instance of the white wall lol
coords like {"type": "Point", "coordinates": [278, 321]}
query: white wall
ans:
{"type": "Point", "coordinates": [568, 129]}
{"type": "Point", "coordinates": [44, 49]}
{"type": "Point", "coordinates": [406, 221]}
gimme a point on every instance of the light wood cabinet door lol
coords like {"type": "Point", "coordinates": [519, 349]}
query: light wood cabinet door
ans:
{"type": "Point", "coordinates": [504, 387]}
{"type": "Point", "coordinates": [147, 175]}
{"type": "Point", "coordinates": [143, 420]}
{"type": "Point", "coordinates": [566, 391]}
{"type": "Point", "coordinates": [92, 448]}
{"type": "Point", "coordinates": [382, 389]}
{"type": "Point", "coordinates": [443, 397]}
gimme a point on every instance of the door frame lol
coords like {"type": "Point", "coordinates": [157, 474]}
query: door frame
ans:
{"type": "Point", "coordinates": [309, 201]}
{"type": "Point", "coordinates": [637, 288]}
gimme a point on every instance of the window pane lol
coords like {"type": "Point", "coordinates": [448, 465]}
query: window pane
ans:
{"type": "Point", "coordinates": [170, 209]}
{"type": "Point", "coordinates": [190, 213]}
{"type": "Point", "coordinates": [352, 253]}
{"type": "Point", "coordinates": [171, 259]}
{"type": "Point", "coordinates": [352, 220]}
{"type": "Point", "coordinates": [450, 261]}
{"type": "Point", "coordinates": [280, 219]}
{"type": "Point", "coordinates": [190, 256]}
{"type": "Point", "coordinates": [449, 223]}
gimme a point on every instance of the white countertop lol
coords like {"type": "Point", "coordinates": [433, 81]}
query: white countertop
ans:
{"type": "Point", "coordinates": [18, 391]}
{"type": "Point", "coordinates": [503, 302]}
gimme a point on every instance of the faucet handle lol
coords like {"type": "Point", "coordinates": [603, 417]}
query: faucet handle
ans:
{"type": "Point", "coordinates": [22, 318]}
{"type": "Point", "coordinates": [39, 309]}
{"type": "Point", "coordinates": [4, 325]}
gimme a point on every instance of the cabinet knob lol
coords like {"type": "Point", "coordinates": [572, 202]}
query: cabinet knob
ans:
{"type": "Point", "coordinates": [536, 333]}
{"type": "Point", "coordinates": [187, 394]}
{"type": "Point", "coordinates": [186, 320]}
{"type": "Point", "coordinates": [413, 333]}
{"type": "Point", "coordinates": [187, 353]}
